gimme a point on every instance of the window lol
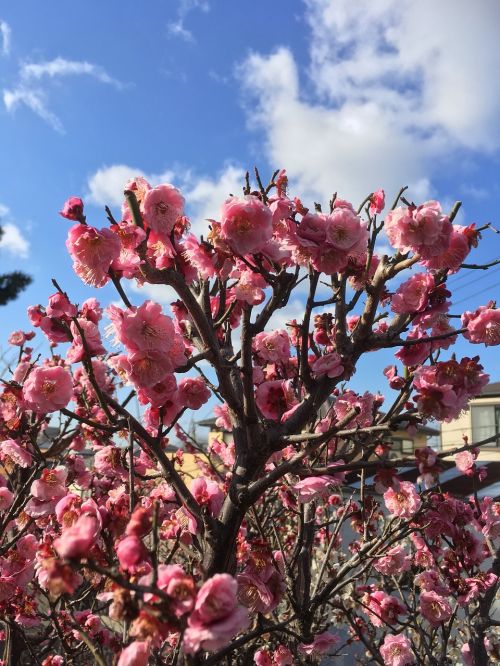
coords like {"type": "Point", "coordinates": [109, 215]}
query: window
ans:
{"type": "Point", "coordinates": [401, 446]}
{"type": "Point", "coordinates": [485, 423]}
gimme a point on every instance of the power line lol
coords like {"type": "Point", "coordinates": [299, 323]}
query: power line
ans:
{"type": "Point", "coordinates": [478, 279]}
{"type": "Point", "coordinates": [466, 298]}
{"type": "Point", "coordinates": [457, 278]}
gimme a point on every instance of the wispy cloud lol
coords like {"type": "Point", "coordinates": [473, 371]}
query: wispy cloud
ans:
{"type": "Point", "coordinates": [28, 91]}
{"type": "Point", "coordinates": [5, 36]}
{"type": "Point", "coordinates": [34, 100]}
{"type": "Point", "coordinates": [58, 67]}
{"type": "Point", "coordinates": [177, 27]}
{"type": "Point", "coordinates": [11, 238]}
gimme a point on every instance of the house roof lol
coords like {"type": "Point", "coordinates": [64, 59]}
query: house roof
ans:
{"type": "Point", "coordinates": [493, 388]}
{"type": "Point", "coordinates": [451, 480]}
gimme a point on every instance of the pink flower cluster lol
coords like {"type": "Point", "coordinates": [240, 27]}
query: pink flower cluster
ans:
{"type": "Point", "coordinates": [217, 617]}
{"type": "Point", "coordinates": [444, 389]}
{"type": "Point", "coordinates": [483, 325]}
{"type": "Point", "coordinates": [422, 229]}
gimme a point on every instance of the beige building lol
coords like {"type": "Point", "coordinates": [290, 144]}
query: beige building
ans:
{"type": "Point", "coordinates": [480, 421]}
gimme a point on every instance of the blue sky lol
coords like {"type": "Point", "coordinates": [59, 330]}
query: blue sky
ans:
{"type": "Point", "coordinates": [348, 96]}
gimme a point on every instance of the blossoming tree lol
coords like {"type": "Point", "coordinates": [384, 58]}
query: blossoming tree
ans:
{"type": "Point", "coordinates": [297, 538]}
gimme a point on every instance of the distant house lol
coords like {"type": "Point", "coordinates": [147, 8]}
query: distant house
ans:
{"type": "Point", "coordinates": [480, 421]}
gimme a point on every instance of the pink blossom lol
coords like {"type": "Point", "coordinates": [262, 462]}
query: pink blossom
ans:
{"type": "Point", "coordinates": [396, 651]}
{"type": "Point", "coordinates": [423, 229]}
{"type": "Point", "coordinates": [193, 392]}
{"type": "Point", "coordinates": [6, 498]}
{"type": "Point", "coordinates": [223, 418]}
{"type": "Point", "coordinates": [255, 593]}
{"type": "Point", "coordinates": [246, 224]}
{"type": "Point", "coordinates": [160, 393]}
{"type": "Point", "coordinates": [92, 251]}
{"type": "Point", "coordinates": [467, 658]}
{"type": "Point", "coordinates": [131, 552]}
{"type": "Point", "coordinates": [377, 202]}
{"type": "Point", "coordinates": [93, 343]}
{"type": "Point", "coordinates": [51, 483]}
{"type": "Point", "coordinates": [413, 295]}
{"type": "Point", "coordinates": [135, 654]}
{"type": "Point", "coordinates": [329, 365]}
{"type": "Point", "coordinates": [54, 329]}
{"type": "Point", "coordinates": [395, 382]}
{"type": "Point", "coordinates": [435, 608]}
{"type": "Point", "coordinates": [275, 399]}
{"type": "Point", "coordinates": [322, 644]}
{"type": "Point", "coordinates": [11, 450]}
{"type": "Point", "coordinates": [402, 501]}
{"type": "Point", "coordinates": [250, 287]}
{"type": "Point", "coordinates": [344, 229]}
{"type": "Point", "coordinates": [262, 658]}
{"type": "Point", "coordinates": [142, 329]}
{"type": "Point", "coordinates": [383, 608]}
{"type": "Point", "coordinates": [35, 314]}
{"type": "Point", "coordinates": [73, 209]}
{"type": "Point", "coordinates": [315, 486]}
{"type": "Point", "coordinates": [415, 354]}
{"type": "Point", "coordinates": [216, 617]}
{"type": "Point", "coordinates": [108, 461]}
{"type": "Point", "coordinates": [444, 389]}
{"type": "Point", "coordinates": [139, 186]}
{"type": "Point", "coordinates": [208, 493]}
{"type": "Point", "coordinates": [91, 310]}
{"type": "Point", "coordinates": [282, 656]}
{"type": "Point", "coordinates": [59, 306]}
{"type": "Point", "coordinates": [17, 338]}
{"type": "Point", "coordinates": [395, 561]}
{"type": "Point", "coordinates": [77, 540]}
{"type": "Point", "coordinates": [199, 256]}
{"type": "Point", "coordinates": [312, 230]}
{"type": "Point", "coordinates": [177, 584]}
{"type": "Point", "coordinates": [454, 255]}
{"type": "Point", "coordinates": [68, 509]}
{"type": "Point", "coordinates": [465, 461]}
{"type": "Point", "coordinates": [216, 598]}
{"type": "Point", "coordinates": [483, 326]}
{"type": "Point", "coordinates": [273, 346]}
{"type": "Point", "coordinates": [348, 401]}
{"type": "Point", "coordinates": [148, 368]}
{"type": "Point", "coordinates": [47, 389]}
{"type": "Point", "coordinates": [161, 207]}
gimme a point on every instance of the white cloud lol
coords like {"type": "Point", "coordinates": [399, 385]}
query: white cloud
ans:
{"type": "Point", "coordinates": [389, 94]}
{"type": "Point", "coordinates": [177, 27]}
{"type": "Point", "coordinates": [62, 67]}
{"type": "Point", "coordinates": [34, 100]}
{"type": "Point", "coordinates": [5, 38]}
{"type": "Point", "coordinates": [13, 241]}
{"type": "Point", "coordinates": [28, 91]}
{"type": "Point", "coordinates": [105, 186]}
{"type": "Point", "coordinates": [160, 293]}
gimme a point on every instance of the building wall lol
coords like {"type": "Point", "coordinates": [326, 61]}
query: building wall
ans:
{"type": "Point", "coordinates": [451, 433]}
